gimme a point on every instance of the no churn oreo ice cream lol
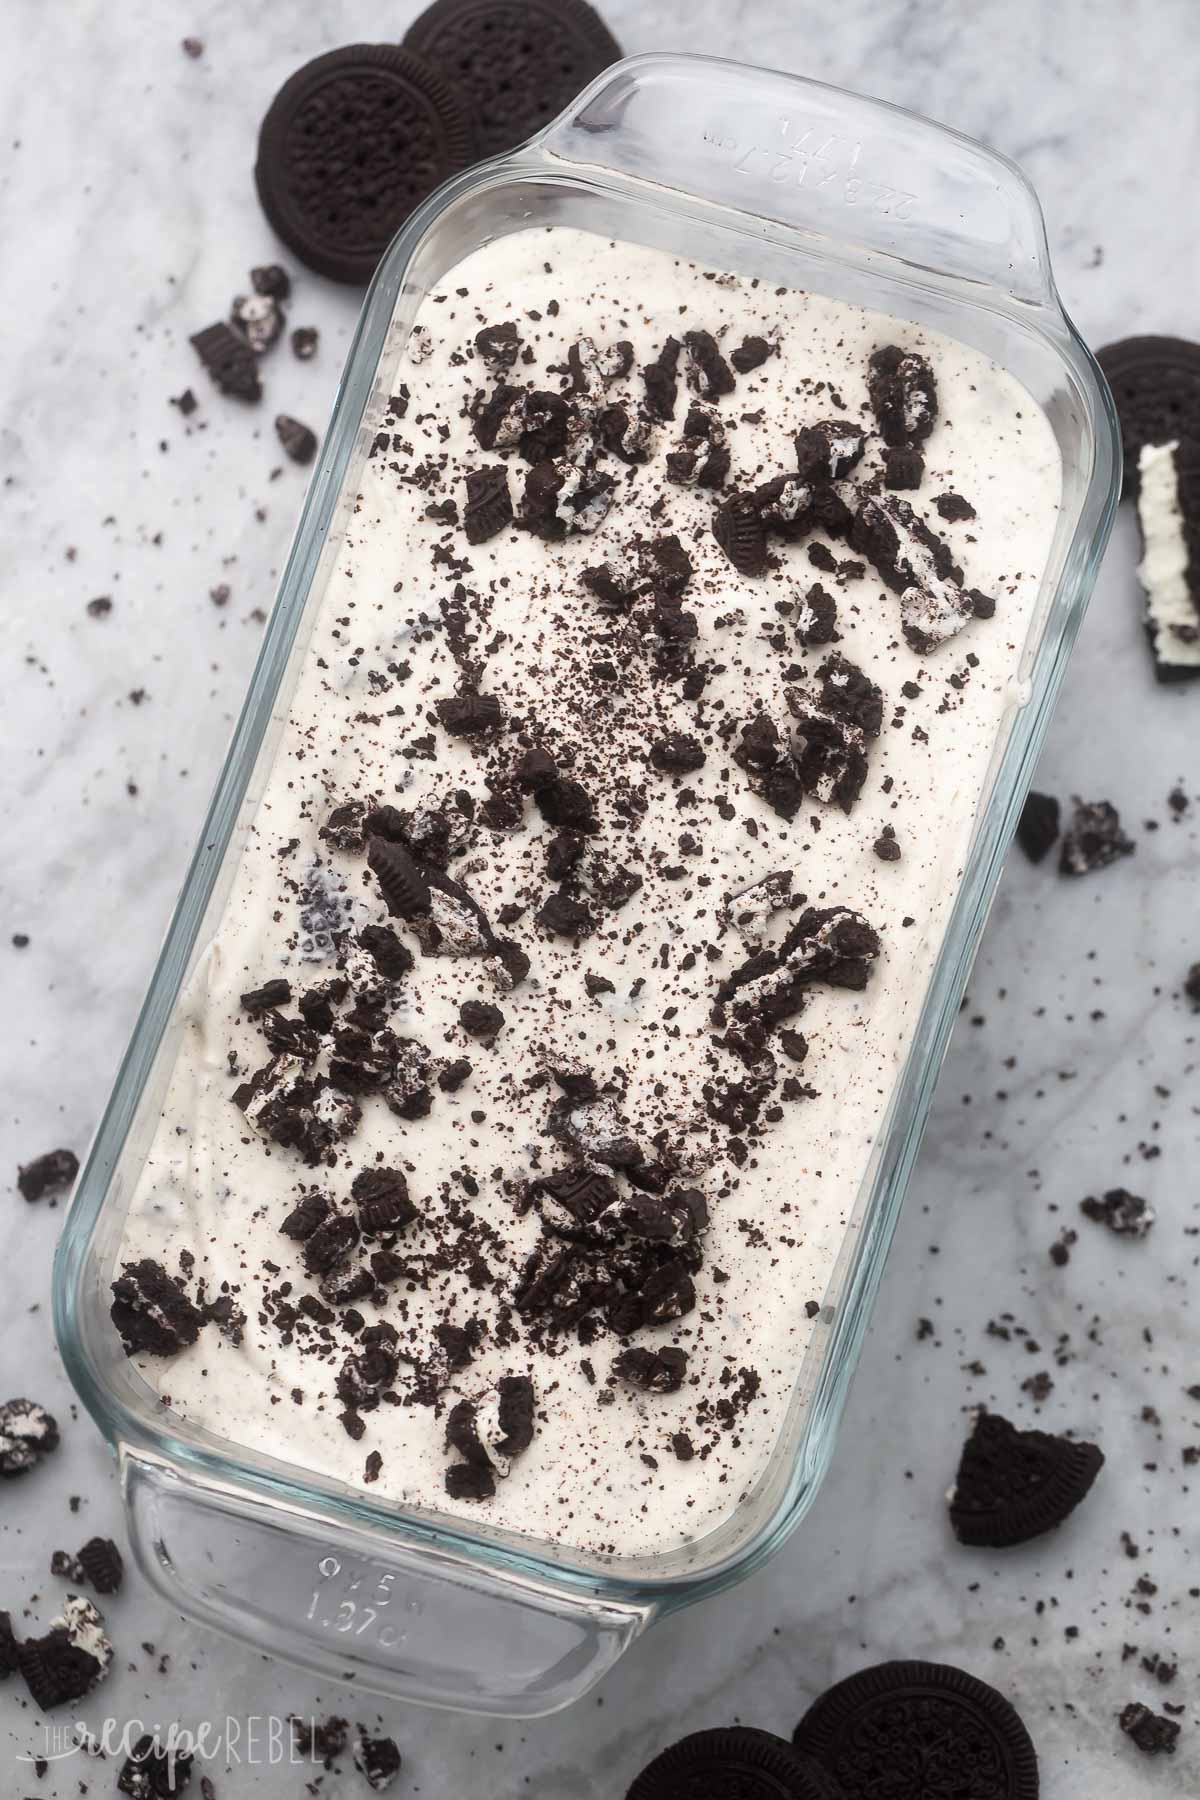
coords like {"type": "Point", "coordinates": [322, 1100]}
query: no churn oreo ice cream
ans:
{"type": "Point", "coordinates": [527, 1084]}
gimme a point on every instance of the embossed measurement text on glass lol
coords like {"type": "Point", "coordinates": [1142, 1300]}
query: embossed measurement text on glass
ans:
{"type": "Point", "coordinates": [790, 153]}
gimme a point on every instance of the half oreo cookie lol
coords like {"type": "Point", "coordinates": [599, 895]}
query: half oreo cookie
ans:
{"type": "Point", "coordinates": [1014, 1485]}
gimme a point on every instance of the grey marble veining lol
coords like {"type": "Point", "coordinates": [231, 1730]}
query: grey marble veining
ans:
{"type": "Point", "coordinates": [127, 219]}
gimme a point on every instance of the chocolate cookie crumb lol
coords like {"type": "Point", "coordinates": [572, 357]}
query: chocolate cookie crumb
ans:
{"type": "Point", "coordinates": [378, 1759]}
{"type": "Point", "coordinates": [1094, 839]}
{"type": "Point", "coordinates": [903, 468]}
{"type": "Point", "coordinates": [47, 1174]}
{"type": "Point", "coordinates": [653, 1371]}
{"type": "Point", "coordinates": [751, 354]}
{"type": "Point", "coordinates": [1125, 1214]}
{"type": "Point", "coordinates": [229, 360]}
{"type": "Point", "coordinates": [298, 441]}
{"type": "Point", "coordinates": [954, 508]}
{"type": "Point", "coordinates": [1153, 1734]}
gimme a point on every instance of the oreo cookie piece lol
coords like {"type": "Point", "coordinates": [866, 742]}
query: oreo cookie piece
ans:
{"type": "Point", "coordinates": [272, 281]}
{"type": "Point", "coordinates": [1168, 508]}
{"type": "Point", "coordinates": [517, 62]}
{"type": "Point", "coordinates": [1014, 1485]}
{"type": "Point", "coordinates": [816, 617]}
{"type": "Point", "coordinates": [739, 529]}
{"type": "Point", "coordinates": [661, 378]}
{"type": "Point", "coordinates": [903, 468]}
{"type": "Point", "coordinates": [70, 1660]}
{"type": "Point", "coordinates": [489, 504]}
{"type": "Point", "coordinates": [352, 142]}
{"type": "Point", "coordinates": [277, 992]}
{"type": "Point", "coordinates": [677, 753]}
{"type": "Point", "coordinates": [733, 1763]}
{"type": "Point", "coordinates": [499, 345]}
{"type": "Point", "coordinates": [1152, 1732]}
{"type": "Point", "coordinates": [913, 1730]}
{"type": "Point", "coordinates": [299, 442]}
{"type": "Point", "coordinates": [1124, 1214]}
{"type": "Point", "coordinates": [401, 879]}
{"type": "Point", "coordinates": [381, 1196]}
{"type": "Point", "coordinates": [919, 566]}
{"type": "Point", "coordinates": [27, 1433]}
{"type": "Point", "coordinates": [102, 1565]}
{"type": "Point", "coordinates": [653, 1371]}
{"type": "Point", "coordinates": [151, 1311]}
{"type": "Point", "coordinates": [377, 1759]}
{"type": "Point", "coordinates": [151, 1772]}
{"type": "Point", "coordinates": [230, 361]}
{"type": "Point", "coordinates": [392, 958]}
{"type": "Point", "coordinates": [8, 1647]}
{"type": "Point", "coordinates": [47, 1174]}
{"type": "Point", "coordinates": [259, 318]}
{"type": "Point", "coordinates": [751, 354]}
{"type": "Point", "coordinates": [709, 375]}
{"type": "Point", "coordinates": [490, 1432]}
{"type": "Point", "coordinates": [903, 395]}
{"type": "Point", "coordinates": [832, 728]}
{"type": "Point", "coordinates": [1093, 839]}
{"type": "Point", "coordinates": [1155, 382]}
{"type": "Point", "coordinates": [1037, 829]}
{"type": "Point", "coordinates": [830, 450]}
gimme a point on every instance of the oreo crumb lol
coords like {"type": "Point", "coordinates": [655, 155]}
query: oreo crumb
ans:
{"type": "Point", "coordinates": [1093, 840]}
{"type": "Point", "coordinates": [298, 441]}
{"type": "Point", "coordinates": [1037, 831]}
{"type": "Point", "coordinates": [47, 1174]}
{"type": "Point", "coordinates": [1153, 1734]}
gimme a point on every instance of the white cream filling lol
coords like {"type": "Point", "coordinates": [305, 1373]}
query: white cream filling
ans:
{"type": "Point", "coordinates": [1162, 571]}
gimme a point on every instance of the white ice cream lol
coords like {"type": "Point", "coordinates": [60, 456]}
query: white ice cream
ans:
{"type": "Point", "coordinates": [602, 1472]}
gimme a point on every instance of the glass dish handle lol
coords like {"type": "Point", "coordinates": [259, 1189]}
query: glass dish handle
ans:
{"type": "Point", "coordinates": [857, 173]}
{"type": "Point", "coordinates": [402, 1619]}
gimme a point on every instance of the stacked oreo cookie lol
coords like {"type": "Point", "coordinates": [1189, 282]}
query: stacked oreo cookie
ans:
{"type": "Point", "coordinates": [1155, 382]}
{"type": "Point", "coordinates": [357, 138]}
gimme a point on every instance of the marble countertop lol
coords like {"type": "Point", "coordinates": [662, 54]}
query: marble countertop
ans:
{"type": "Point", "coordinates": [129, 219]}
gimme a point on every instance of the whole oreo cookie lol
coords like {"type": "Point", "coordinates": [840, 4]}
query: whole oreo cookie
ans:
{"type": "Point", "coordinates": [913, 1730]}
{"type": "Point", "coordinates": [519, 62]}
{"type": "Point", "coordinates": [739, 1763]}
{"type": "Point", "coordinates": [1155, 382]}
{"type": "Point", "coordinates": [350, 145]}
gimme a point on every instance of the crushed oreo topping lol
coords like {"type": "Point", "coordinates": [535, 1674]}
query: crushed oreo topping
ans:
{"type": "Point", "coordinates": [903, 395]}
{"type": "Point", "coordinates": [652, 1371]}
{"type": "Point", "coordinates": [151, 1311]}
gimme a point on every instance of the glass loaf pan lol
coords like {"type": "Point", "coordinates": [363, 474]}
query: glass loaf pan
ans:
{"type": "Point", "coordinates": [762, 174]}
